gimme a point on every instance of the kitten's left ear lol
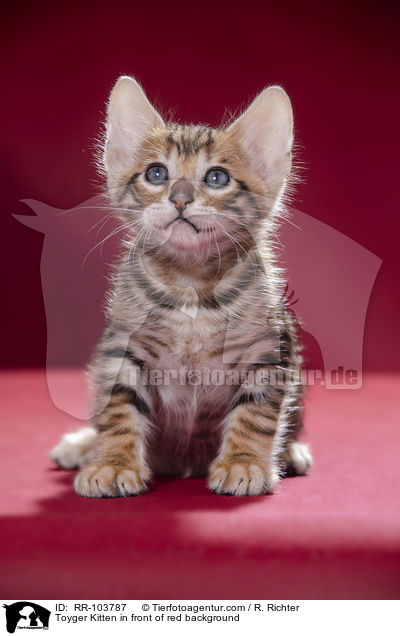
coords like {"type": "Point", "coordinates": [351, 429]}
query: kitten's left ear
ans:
{"type": "Point", "coordinates": [265, 131]}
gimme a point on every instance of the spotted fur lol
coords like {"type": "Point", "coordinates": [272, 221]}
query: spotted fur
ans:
{"type": "Point", "coordinates": [197, 291]}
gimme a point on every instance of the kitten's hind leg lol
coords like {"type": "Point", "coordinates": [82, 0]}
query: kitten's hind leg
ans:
{"type": "Point", "coordinates": [297, 458]}
{"type": "Point", "coordinates": [74, 449]}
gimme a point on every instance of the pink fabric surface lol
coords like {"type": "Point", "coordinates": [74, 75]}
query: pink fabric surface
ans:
{"type": "Point", "coordinates": [332, 534]}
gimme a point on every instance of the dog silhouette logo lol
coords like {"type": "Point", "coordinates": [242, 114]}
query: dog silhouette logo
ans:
{"type": "Point", "coordinates": [26, 615]}
{"type": "Point", "coordinates": [330, 278]}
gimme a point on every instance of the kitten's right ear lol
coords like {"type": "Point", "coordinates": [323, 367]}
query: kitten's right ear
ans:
{"type": "Point", "coordinates": [129, 119]}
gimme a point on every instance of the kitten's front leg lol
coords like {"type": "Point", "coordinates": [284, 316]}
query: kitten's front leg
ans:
{"type": "Point", "coordinates": [119, 466]}
{"type": "Point", "coordinates": [247, 461]}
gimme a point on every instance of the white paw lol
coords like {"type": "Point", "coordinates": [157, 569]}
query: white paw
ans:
{"type": "Point", "coordinates": [74, 449]}
{"type": "Point", "coordinates": [241, 479]}
{"type": "Point", "coordinates": [111, 481]}
{"type": "Point", "coordinates": [299, 458]}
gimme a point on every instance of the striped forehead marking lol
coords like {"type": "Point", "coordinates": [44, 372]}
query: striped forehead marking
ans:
{"type": "Point", "coordinates": [190, 140]}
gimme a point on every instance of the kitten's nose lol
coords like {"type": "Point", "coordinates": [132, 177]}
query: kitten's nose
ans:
{"type": "Point", "coordinates": [181, 194]}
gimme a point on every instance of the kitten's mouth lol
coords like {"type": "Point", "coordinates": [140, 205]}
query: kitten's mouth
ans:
{"type": "Point", "coordinates": [184, 234]}
{"type": "Point", "coordinates": [185, 220]}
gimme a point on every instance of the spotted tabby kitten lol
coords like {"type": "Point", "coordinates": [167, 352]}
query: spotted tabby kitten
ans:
{"type": "Point", "coordinates": [196, 370]}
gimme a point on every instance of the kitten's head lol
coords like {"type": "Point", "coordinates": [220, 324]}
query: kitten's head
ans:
{"type": "Point", "coordinates": [193, 192]}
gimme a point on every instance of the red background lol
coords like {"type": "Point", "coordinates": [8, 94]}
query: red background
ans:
{"type": "Point", "coordinates": [337, 61]}
{"type": "Point", "coordinates": [334, 534]}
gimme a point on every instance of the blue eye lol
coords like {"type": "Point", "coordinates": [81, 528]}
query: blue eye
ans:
{"type": "Point", "coordinates": [216, 178]}
{"type": "Point", "coordinates": [157, 174]}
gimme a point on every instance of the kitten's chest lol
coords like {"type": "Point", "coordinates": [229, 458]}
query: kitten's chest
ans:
{"type": "Point", "coordinates": [193, 342]}
{"type": "Point", "coordinates": [189, 363]}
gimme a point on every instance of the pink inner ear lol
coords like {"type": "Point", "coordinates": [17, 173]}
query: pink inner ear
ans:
{"type": "Point", "coordinates": [265, 130]}
{"type": "Point", "coordinates": [261, 159]}
{"type": "Point", "coordinates": [268, 148]}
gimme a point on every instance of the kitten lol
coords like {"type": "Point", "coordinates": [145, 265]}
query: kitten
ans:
{"type": "Point", "coordinates": [197, 370]}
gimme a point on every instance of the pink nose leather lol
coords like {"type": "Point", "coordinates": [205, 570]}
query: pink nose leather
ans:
{"type": "Point", "coordinates": [181, 194]}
